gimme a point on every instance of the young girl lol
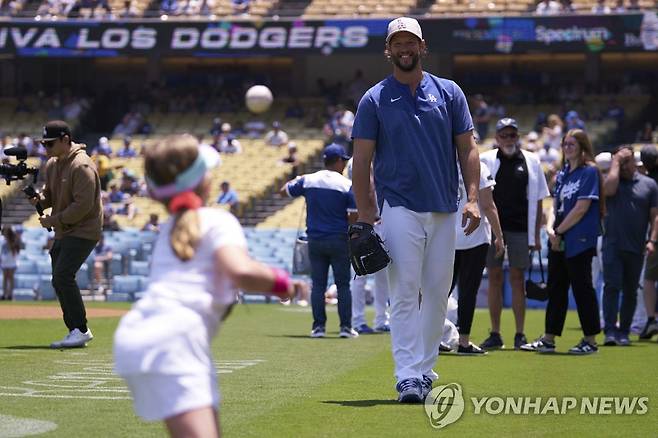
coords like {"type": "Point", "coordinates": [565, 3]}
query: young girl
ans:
{"type": "Point", "coordinates": [10, 248]}
{"type": "Point", "coordinates": [162, 346]}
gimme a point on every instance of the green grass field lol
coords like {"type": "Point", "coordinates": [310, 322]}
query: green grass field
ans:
{"type": "Point", "coordinates": [277, 382]}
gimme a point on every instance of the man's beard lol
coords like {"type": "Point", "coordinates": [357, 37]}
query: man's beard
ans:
{"type": "Point", "coordinates": [509, 150]}
{"type": "Point", "coordinates": [407, 68]}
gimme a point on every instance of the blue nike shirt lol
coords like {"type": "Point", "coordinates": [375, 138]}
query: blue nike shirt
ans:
{"type": "Point", "coordinates": [415, 163]}
{"type": "Point", "coordinates": [329, 199]}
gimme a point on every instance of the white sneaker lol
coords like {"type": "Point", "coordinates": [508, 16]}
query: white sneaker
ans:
{"type": "Point", "coordinates": [74, 339]}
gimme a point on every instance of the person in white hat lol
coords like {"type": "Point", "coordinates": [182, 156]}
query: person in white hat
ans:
{"type": "Point", "coordinates": [418, 128]}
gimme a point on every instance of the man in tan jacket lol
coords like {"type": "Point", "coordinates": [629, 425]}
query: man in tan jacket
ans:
{"type": "Point", "coordinates": [73, 192]}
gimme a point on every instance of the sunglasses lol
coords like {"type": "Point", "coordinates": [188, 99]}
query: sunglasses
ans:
{"type": "Point", "coordinates": [569, 145]}
{"type": "Point", "coordinates": [511, 135]}
{"type": "Point", "coordinates": [48, 143]}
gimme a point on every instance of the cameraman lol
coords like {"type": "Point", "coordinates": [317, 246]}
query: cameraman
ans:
{"type": "Point", "coordinates": [73, 191]}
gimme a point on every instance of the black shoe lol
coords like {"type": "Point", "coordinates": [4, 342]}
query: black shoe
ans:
{"type": "Point", "coordinates": [444, 348]}
{"type": "Point", "coordinates": [650, 330]}
{"type": "Point", "coordinates": [584, 347]}
{"type": "Point", "coordinates": [471, 350]}
{"type": "Point", "coordinates": [519, 339]}
{"type": "Point", "coordinates": [493, 342]}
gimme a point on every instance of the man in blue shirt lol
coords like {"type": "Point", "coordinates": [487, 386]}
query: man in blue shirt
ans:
{"type": "Point", "coordinates": [228, 196]}
{"type": "Point", "coordinates": [329, 201]}
{"type": "Point", "coordinates": [418, 127]}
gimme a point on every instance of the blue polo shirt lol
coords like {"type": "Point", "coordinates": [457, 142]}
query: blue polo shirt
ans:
{"type": "Point", "coordinates": [329, 198]}
{"type": "Point", "coordinates": [582, 183]}
{"type": "Point", "coordinates": [415, 162]}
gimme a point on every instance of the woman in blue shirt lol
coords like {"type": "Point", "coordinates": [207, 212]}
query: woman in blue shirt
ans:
{"type": "Point", "coordinates": [572, 234]}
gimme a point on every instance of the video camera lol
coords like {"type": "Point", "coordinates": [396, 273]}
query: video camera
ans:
{"type": "Point", "coordinates": [13, 172]}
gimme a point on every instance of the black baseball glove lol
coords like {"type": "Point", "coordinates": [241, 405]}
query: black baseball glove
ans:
{"type": "Point", "coordinates": [367, 252]}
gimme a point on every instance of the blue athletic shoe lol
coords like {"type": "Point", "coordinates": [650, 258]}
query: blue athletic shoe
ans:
{"type": "Point", "coordinates": [385, 328]}
{"type": "Point", "coordinates": [409, 391]}
{"type": "Point", "coordinates": [364, 329]}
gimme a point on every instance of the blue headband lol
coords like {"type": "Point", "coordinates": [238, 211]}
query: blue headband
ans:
{"type": "Point", "coordinates": [185, 181]}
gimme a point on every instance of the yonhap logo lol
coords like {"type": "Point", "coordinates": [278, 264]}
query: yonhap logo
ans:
{"type": "Point", "coordinates": [444, 405]}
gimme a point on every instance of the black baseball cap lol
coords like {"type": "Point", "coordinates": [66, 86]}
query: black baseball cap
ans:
{"type": "Point", "coordinates": [55, 129]}
{"type": "Point", "coordinates": [506, 122]}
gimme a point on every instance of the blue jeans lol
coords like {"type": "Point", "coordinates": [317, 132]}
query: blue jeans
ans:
{"type": "Point", "coordinates": [324, 253]}
{"type": "Point", "coordinates": [621, 273]}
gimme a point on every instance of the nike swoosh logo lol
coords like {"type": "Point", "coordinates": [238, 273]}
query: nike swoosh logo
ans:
{"type": "Point", "coordinates": [396, 99]}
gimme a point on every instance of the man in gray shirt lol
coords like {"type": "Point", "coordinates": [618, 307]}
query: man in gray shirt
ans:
{"type": "Point", "coordinates": [632, 203]}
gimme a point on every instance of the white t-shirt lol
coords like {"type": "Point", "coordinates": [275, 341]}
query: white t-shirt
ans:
{"type": "Point", "coordinates": [169, 330]}
{"type": "Point", "coordinates": [483, 233]}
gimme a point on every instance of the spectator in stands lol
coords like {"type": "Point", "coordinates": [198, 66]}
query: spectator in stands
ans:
{"type": "Point", "coordinates": [292, 160]}
{"type": "Point", "coordinates": [573, 232]}
{"type": "Point", "coordinates": [104, 147]}
{"type": "Point", "coordinates": [645, 135]}
{"type": "Point", "coordinates": [104, 167]}
{"type": "Point", "coordinates": [548, 7]}
{"type": "Point", "coordinates": [115, 194]}
{"type": "Point", "coordinates": [573, 121]}
{"type": "Point", "coordinates": [634, 5]}
{"type": "Point", "coordinates": [228, 196]}
{"type": "Point", "coordinates": [600, 7]}
{"type": "Point", "coordinates": [153, 223]}
{"type": "Point", "coordinates": [276, 137]}
{"type": "Point", "coordinates": [216, 128]}
{"type": "Point", "coordinates": [102, 258]}
{"type": "Point", "coordinates": [481, 116]}
{"type": "Point", "coordinates": [624, 241]}
{"type": "Point", "coordinates": [130, 9]}
{"type": "Point", "coordinates": [11, 246]}
{"type": "Point", "coordinates": [329, 203]}
{"type": "Point", "coordinates": [127, 151]}
{"type": "Point", "coordinates": [130, 124]}
{"type": "Point", "coordinates": [649, 155]}
{"type": "Point", "coordinates": [129, 184]}
{"type": "Point", "coordinates": [553, 132]}
{"type": "Point", "coordinates": [567, 7]}
{"type": "Point", "coordinates": [225, 131]}
{"type": "Point", "coordinates": [241, 7]}
{"type": "Point", "coordinates": [532, 142]}
{"type": "Point", "coordinates": [619, 7]}
{"type": "Point", "coordinates": [109, 221]}
{"type": "Point", "coordinates": [169, 7]}
{"type": "Point", "coordinates": [518, 194]}
{"type": "Point", "coordinates": [255, 128]}
{"type": "Point", "coordinates": [128, 208]}
{"type": "Point", "coordinates": [230, 145]}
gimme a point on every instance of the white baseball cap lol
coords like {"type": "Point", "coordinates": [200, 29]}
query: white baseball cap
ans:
{"type": "Point", "coordinates": [603, 160]}
{"type": "Point", "coordinates": [404, 24]}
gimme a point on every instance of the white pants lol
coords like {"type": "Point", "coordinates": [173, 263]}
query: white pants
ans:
{"type": "Point", "coordinates": [380, 294]}
{"type": "Point", "coordinates": [422, 248]}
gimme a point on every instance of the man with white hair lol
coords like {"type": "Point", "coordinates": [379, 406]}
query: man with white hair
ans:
{"type": "Point", "coordinates": [518, 194]}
